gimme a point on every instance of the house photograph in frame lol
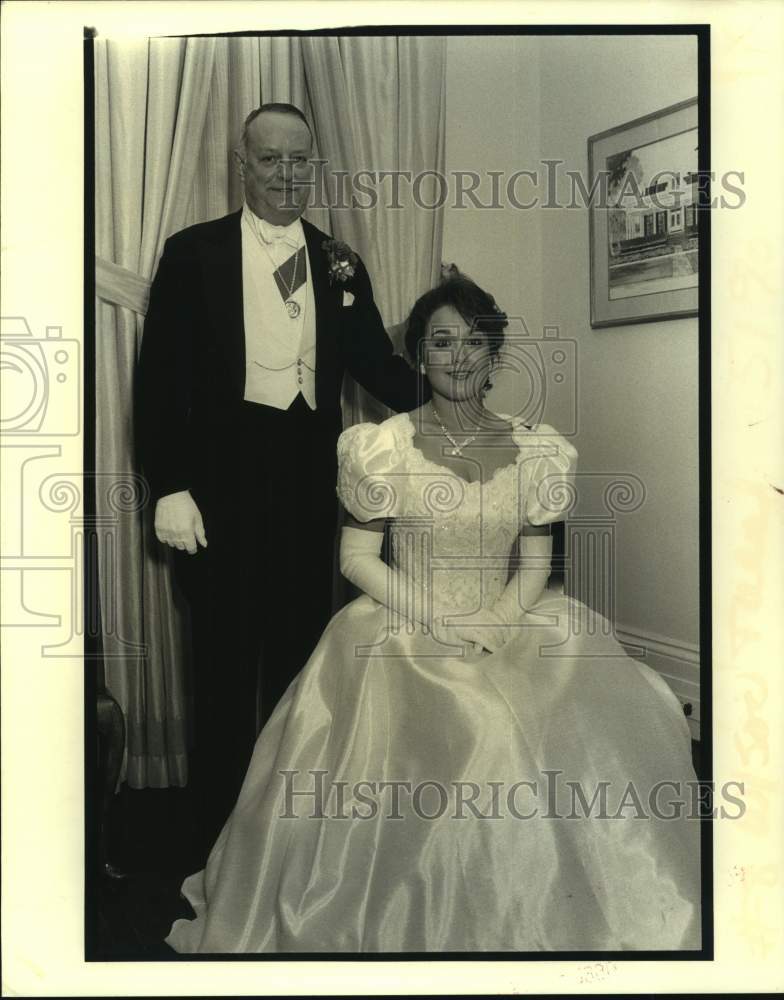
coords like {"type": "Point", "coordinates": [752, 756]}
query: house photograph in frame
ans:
{"type": "Point", "coordinates": [644, 239]}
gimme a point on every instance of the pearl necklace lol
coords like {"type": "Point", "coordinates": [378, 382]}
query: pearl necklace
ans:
{"type": "Point", "coordinates": [457, 449]}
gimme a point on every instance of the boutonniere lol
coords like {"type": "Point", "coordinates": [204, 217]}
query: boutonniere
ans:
{"type": "Point", "coordinates": [342, 261]}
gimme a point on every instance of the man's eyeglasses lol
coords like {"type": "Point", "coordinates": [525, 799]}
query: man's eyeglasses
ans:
{"type": "Point", "coordinates": [273, 160]}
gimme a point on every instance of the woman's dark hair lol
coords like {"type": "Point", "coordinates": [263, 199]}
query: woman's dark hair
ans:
{"type": "Point", "coordinates": [477, 307]}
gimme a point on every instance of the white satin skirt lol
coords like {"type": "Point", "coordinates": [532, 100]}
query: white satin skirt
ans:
{"type": "Point", "coordinates": [405, 799]}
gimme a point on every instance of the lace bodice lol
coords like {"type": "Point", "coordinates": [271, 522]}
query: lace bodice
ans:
{"type": "Point", "coordinates": [452, 537]}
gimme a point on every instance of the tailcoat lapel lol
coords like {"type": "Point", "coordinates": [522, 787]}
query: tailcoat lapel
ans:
{"type": "Point", "coordinates": [323, 293]}
{"type": "Point", "coordinates": [222, 272]}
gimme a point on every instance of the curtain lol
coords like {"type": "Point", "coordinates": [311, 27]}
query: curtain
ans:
{"type": "Point", "coordinates": [379, 105]}
{"type": "Point", "coordinates": [151, 104]}
{"type": "Point", "coordinates": [168, 116]}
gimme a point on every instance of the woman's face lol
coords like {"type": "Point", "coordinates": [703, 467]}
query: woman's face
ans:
{"type": "Point", "coordinates": [457, 360]}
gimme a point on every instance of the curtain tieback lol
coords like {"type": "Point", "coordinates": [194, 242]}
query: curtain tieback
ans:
{"type": "Point", "coordinates": [121, 287]}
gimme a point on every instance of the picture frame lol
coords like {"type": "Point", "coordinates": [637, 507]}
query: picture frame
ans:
{"type": "Point", "coordinates": [643, 218]}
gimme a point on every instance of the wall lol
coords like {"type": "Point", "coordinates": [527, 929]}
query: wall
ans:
{"type": "Point", "coordinates": [510, 103]}
{"type": "Point", "coordinates": [638, 383]}
{"type": "Point", "coordinates": [492, 123]}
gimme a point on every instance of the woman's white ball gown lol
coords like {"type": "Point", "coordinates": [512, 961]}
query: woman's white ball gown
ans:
{"type": "Point", "coordinates": [387, 807]}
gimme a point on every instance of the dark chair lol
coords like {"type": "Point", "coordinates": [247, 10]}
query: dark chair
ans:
{"type": "Point", "coordinates": [111, 746]}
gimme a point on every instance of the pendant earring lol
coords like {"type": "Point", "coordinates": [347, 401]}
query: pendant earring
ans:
{"type": "Point", "coordinates": [488, 381]}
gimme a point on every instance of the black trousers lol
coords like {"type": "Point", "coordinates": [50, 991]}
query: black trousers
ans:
{"type": "Point", "coordinates": [260, 593]}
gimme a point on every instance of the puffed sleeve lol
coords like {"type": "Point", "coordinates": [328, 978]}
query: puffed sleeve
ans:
{"type": "Point", "coordinates": [550, 462]}
{"type": "Point", "coordinates": [370, 478]}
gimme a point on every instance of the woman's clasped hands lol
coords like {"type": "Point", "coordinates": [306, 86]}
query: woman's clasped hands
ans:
{"type": "Point", "coordinates": [483, 631]}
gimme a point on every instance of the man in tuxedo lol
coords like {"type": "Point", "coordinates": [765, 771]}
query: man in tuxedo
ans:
{"type": "Point", "coordinates": [246, 340]}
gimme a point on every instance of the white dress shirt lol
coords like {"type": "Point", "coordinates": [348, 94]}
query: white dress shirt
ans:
{"type": "Point", "coordinates": [280, 351]}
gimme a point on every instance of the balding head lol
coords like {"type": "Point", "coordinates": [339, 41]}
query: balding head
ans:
{"type": "Point", "coordinates": [277, 108]}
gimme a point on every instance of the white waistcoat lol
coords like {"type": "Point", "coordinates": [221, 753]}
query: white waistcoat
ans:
{"type": "Point", "coordinates": [280, 352]}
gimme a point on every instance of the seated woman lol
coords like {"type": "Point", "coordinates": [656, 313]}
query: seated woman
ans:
{"type": "Point", "coordinates": [456, 768]}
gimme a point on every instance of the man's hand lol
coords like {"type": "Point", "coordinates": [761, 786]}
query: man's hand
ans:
{"type": "Point", "coordinates": [178, 522]}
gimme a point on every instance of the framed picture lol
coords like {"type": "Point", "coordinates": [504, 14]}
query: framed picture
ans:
{"type": "Point", "coordinates": [643, 218]}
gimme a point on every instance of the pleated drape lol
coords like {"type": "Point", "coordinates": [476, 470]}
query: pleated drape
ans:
{"type": "Point", "coordinates": [151, 102]}
{"type": "Point", "coordinates": [168, 116]}
{"type": "Point", "coordinates": [378, 106]}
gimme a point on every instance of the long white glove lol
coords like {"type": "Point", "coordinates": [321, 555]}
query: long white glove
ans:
{"type": "Point", "coordinates": [528, 581]}
{"type": "Point", "coordinates": [361, 563]}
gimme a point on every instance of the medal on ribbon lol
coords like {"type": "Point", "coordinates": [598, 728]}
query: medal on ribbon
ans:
{"type": "Point", "coordinates": [289, 277]}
